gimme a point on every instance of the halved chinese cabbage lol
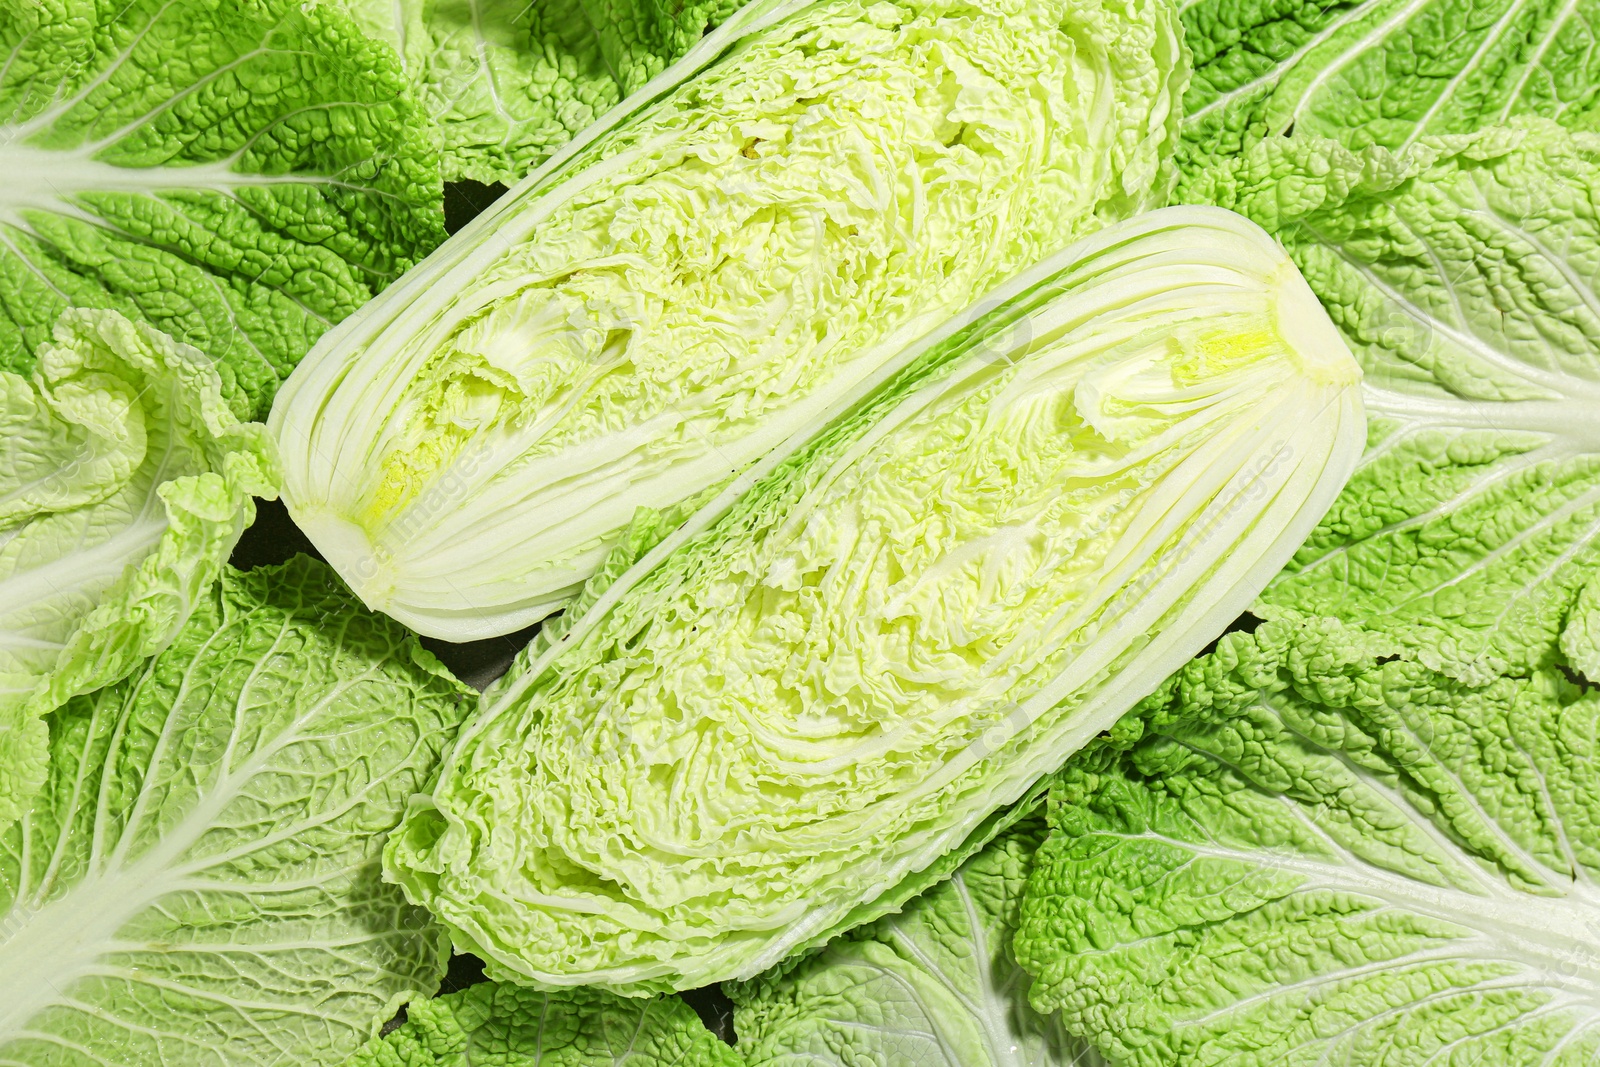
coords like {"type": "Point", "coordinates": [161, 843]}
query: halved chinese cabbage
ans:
{"type": "Point", "coordinates": [803, 704]}
{"type": "Point", "coordinates": [729, 256]}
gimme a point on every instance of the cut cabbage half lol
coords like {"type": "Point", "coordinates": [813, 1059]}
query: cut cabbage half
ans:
{"type": "Point", "coordinates": [723, 261]}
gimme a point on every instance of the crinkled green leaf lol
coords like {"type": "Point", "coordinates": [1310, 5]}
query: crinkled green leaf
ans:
{"type": "Point", "coordinates": [934, 986]}
{"type": "Point", "coordinates": [240, 175]}
{"type": "Point", "coordinates": [507, 81]}
{"type": "Point", "coordinates": [495, 1024]}
{"type": "Point", "coordinates": [126, 480]}
{"type": "Point", "coordinates": [713, 269]}
{"type": "Point", "coordinates": [1320, 853]}
{"type": "Point", "coordinates": [198, 882]}
{"type": "Point", "coordinates": [1580, 635]}
{"type": "Point", "coordinates": [510, 81]}
{"type": "Point", "coordinates": [1382, 72]}
{"type": "Point", "coordinates": [828, 678]}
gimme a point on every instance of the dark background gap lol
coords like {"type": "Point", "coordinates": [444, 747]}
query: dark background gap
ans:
{"type": "Point", "coordinates": [273, 538]}
{"type": "Point", "coordinates": [465, 200]}
{"type": "Point", "coordinates": [1245, 623]}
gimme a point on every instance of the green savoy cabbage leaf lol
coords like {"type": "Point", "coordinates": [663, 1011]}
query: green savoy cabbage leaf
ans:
{"type": "Point", "coordinates": [126, 478]}
{"type": "Point", "coordinates": [495, 1024]}
{"type": "Point", "coordinates": [507, 82]}
{"type": "Point", "coordinates": [198, 882]}
{"type": "Point", "coordinates": [935, 986]}
{"type": "Point", "coordinates": [1384, 72]}
{"type": "Point", "coordinates": [241, 175]}
{"type": "Point", "coordinates": [1465, 276]}
{"type": "Point", "coordinates": [1321, 852]}
{"type": "Point", "coordinates": [1369, 833]}
{"type": "Point", "coordinates": [710, 271]}
{"type": "Point", "coordinates": [829, 676]}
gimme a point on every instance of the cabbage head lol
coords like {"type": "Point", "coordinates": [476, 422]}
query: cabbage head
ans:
{"type": "Point", "coordinates": [741, 248]}
{"type": "Point", "coordinates": [799, 708]}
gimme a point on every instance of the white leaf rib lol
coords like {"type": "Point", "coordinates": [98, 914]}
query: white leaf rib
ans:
{"type": "Point", "coordinates": [42, 121]}
{"type": "Point", "coordinates": [1349, 55]}
{"type": "Point", "coordinates": [1526, 929]}
{"type": "Point", "coordinates": [1556, 386]}
{"type": "Point", "coordinates": [246, 690]}
{"type": "Point", "coordinates": [1572, 1035]}
{"type": "Point", "coordinates": [914, 996]}
{"type": "Point", "coordinates": [243, 1009]}
{"type": "Point", "coordinates": [179, 1036]}
{"type": "Point", "coordinates": [1536, 60]}
{"type": "Point", "coordinates": [1501, 470]}
{"type": "Point", "coordinates": [60, 1042]}
{"type": "Point", "coordinates": [132, 823]}
{"type": "Point", "coordinates": [67, 826]}
{"type": "Point", "coordinates": [1505, 1027]}
{"type": "Point", "coordinates": [1583, 288]}
{"type": "Point", "coordinates": [1468, 68]}
{"type": "Point", "coordinates": [1545, 523]}
{"type": "Point", "coordinates": [1412, 961]}
{"type": "Point", "coordinates": [1271, 78]}
{"type": "Point", "coordinates": [1397, 801]}
{"type": "Point", "coordinates": [30, 266]}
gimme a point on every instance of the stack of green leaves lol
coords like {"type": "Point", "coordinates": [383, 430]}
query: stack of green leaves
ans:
{"type": "Point", "coordinates": [1364, 833]}
{"type": "Point", "coordinates": [934, 986]}
{"type": "Point", "coordinates": [197, 882]}
{"type": "Point", "coordinates": [1362, 830]}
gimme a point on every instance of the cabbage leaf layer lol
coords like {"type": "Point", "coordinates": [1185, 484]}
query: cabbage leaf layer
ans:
{"type": "Point", "coordinates": [934, 986]}
{"type": "Point", "coordinates": [1381, 72]}
{"type": "Point", "coordinates": [241, 175]}
{"type": "Point", "coordinates": [508, 82]}
{"type": "Point", "coordinates": [828, 677]}
{"type": "Point", "coordinates": [1465, 275]}
{"type": "Point", "coordinates": [1320, 850]}
{"type": "Point", "coordinates": [198, 882]}
{"type": "Point", "coordinates": [714, 270]}
{"type": "Point", "coordinates": [1369, 832]}
{"type": "Point", "coordinates": [127, 479]}
{"type": "Point", "coordinates": [511, 1026]}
